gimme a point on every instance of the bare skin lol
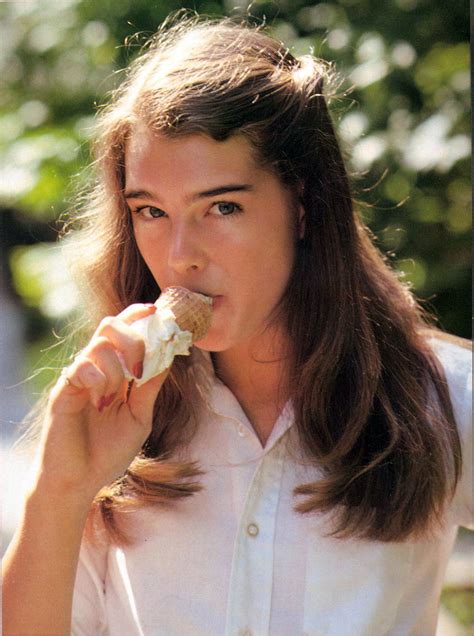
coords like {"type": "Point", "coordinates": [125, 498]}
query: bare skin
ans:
{"type": "Point", "coordinates": [90, 437]}
{"type": "Point", "coordinates": [259, 384]}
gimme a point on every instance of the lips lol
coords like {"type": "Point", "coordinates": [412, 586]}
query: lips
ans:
{"type": "Point", "coordinates": [217, 301]}
{"type": "Point", "coordinates": [214, 297]}
{"type": "Point", "coordinates": [193, 288]}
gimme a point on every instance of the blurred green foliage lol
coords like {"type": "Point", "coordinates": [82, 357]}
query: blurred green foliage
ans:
{"type": "Point", "coordinates": [405, 126]}
{"type": "Point", "coordinates": [460, 602]}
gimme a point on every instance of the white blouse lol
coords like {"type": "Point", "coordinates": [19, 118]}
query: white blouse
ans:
{"type": "Point", "coordinates": [236, 559]}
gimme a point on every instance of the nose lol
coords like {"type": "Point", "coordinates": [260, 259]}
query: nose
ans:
{"type": "Point", "coordinates": [185, 251]}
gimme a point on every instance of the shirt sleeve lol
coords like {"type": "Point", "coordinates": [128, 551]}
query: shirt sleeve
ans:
{"type": "Point", "coordinates": [457, 364]}
{"type": "Point", "coordinates": [88, 610]}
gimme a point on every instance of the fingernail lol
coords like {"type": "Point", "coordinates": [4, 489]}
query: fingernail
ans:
{"type": "Point", "coordinates": [138, 370]}
{"type": "Point", "coordinates": [102, 404]}
{"type": "Point", "coordinates": [109, 399]}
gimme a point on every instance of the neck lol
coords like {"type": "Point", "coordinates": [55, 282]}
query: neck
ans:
{"type": "Point", "coordinates": [257, 374]}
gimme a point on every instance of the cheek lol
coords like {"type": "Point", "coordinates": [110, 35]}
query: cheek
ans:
{"type": "Point", "coordinates": [149, 246]}
{"type": "Point", "coordinates": [277, 248]}
{"type": "Point", "coordinates": [142, 247]}
{"type": "Point", "coordinates": [139, 237]}
{"type": "Point", "coordinates": [262, 266]}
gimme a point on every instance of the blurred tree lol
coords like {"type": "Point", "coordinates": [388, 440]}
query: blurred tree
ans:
{"type": "Point", "coordinates": [404, 127]}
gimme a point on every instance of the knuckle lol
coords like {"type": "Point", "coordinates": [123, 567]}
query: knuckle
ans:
{"type": "Point", "coordinates": [80, 363]}
{"type": "Point", "coordinates": [98, 346]}
{"type": "Point", "coordinates": [106, 323]}
{"type": "Point", "coordinates": [91, 374]}
{"type": "Point", "coordinates": [83, 369]}
{"type": "Point", "coordinates": [101, 342]}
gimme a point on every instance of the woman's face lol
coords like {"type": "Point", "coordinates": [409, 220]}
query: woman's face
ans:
{"type": "Point", "coordinates": [206, 217]}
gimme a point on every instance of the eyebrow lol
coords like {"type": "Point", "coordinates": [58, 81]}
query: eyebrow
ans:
{"type": "Point", "coordinates": [213, 192]}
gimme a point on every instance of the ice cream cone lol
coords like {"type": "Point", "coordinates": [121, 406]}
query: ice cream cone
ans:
{"type": "Point", "coordinates": [192, 311]}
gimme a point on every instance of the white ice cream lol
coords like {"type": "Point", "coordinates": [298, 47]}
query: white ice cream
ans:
{"type": "Point", "coordinates": [163, 341]}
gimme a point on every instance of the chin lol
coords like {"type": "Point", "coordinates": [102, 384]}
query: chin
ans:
{"type": "Point", "coordinates": [211, 345]}
{"type": "Point", "coordinates": [213, 342]}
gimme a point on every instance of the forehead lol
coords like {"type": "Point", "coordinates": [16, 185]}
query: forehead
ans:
{"type": "Point", "coordinates": [195, 160]}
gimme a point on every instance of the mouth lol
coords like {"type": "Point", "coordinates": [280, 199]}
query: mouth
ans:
{"type": "Point", "coordinates": [216, 301]}
{"type": "Point", "coordinates": [194, 289]}
{"type": "Point", "coordinates": [213, 297]}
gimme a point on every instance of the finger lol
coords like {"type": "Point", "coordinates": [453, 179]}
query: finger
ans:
{"type": "Point", "coordinates": [102, 352]}
{"type": "Point", "coordinates": [124, 339]}
{"type": "Point", "coordinates": [136, 311]}
{"type": "Point", "coordinates": [141, 399]}
{"type": "Point", "coordinates": [84, 376]}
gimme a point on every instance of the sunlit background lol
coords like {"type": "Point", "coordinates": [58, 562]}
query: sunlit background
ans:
{"type": "Point", "coordinates": [404, 124]}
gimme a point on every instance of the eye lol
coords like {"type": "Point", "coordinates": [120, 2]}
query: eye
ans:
{"type": "Point", "coordinates": [150, 212]}
{"type": "Point", "coordinates": [226, 208]}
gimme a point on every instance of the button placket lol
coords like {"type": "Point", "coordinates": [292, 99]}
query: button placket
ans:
{"type": "Point", "coordinates": [241, 430]}
{"type": "Point", "coordinates": [251, 583]}
{"type": "Point", "coordinates": [253, 529]}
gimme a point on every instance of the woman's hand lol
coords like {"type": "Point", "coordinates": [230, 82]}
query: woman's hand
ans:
{"type": "Point", "coordinates": [94, 429]}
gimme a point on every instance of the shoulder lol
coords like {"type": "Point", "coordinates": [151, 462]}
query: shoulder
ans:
{"type": "Point", "coordinates": [455, 356]}
{"type": "Point", "coordinates": [447, 341]}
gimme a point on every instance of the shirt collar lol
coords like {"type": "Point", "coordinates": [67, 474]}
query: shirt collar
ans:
{"type": "Point", "coordinates": [223, 403]}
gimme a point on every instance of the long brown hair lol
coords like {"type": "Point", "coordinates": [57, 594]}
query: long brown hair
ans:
{"type": "Point", "coordinates": [371, 402]}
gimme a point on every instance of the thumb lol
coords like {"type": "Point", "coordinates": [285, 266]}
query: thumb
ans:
{"type": "Point", "coordinates": [141, 399]}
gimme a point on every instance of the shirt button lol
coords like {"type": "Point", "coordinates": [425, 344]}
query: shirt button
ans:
{"type": "Point", "coordinates": [241, 431]}
{"type": "Point", "coordinates": [252, 530]}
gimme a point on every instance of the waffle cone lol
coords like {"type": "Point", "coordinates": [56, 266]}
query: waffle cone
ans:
{"type": "Point", "coordinates": [192, 311]}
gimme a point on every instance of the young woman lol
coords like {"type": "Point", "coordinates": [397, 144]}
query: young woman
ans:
{"type": "Point", "coordinates": [306, 468]}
